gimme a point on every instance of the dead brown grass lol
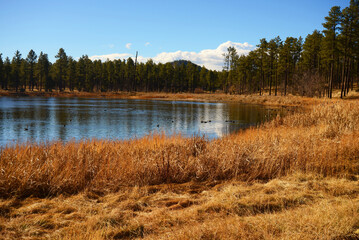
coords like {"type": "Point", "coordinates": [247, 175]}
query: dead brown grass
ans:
{"type": "Point", "coordinates": [295, 207]}
{"type": "Point", "coordinates": [323, 140]}
{"type": "Point", "coordinates": [289, 100]}
{"type": "Point", "coordinates": [292, 178]}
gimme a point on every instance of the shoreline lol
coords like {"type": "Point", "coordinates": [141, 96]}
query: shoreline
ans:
{"type": "Point", "coordinates": [268, 100]}
{"type": "Point", "coordinates": [294, 177]}
{"type": "Point", "coordinates": [330, 122]}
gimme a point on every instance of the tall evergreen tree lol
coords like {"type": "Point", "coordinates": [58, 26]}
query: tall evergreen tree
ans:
{"type": "Point", "coordinates": [97, 75]}
{"type": "Point", "coordinates": [81, 73]}
{"type": "Point", "coordinates": [43, 72]}
{"type": "Point", "coordinates": [15, 70]}
{"type": "Point", "coordinates": [274, 46]}
{"type": "Point", "coordinates": [71, 73]}
{"type": "Point", "coordinates": [130, 75]}
{"type": "Point", "coordinates": [347, 41]}
{"type": "Point", "coordinates": [203, 77]}
{"type": "Point", "coordinates": [311, 51]}
{"type": "Point", "coordinates": [7, 73]}
{"type": "Point", "coordinates": [23, 75]}
{"type": "Point", "coordinates": [230, 64]}
{"type": "Point", "coordinates": [60, 69]}
{"type": "Point", "coordinates": [262, 50]}
{"type": "Point", "coordinates": [331, 29]}
{"type": "Point", "coordinates": [89, 78]}
{"type": "Point", "coordinates": [31, 61]}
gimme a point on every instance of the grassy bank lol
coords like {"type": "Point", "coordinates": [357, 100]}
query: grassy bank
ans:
{"type": "Point", "coordinates": [212, 97]}
{"type": "Point", "coordinates": [292, 178]}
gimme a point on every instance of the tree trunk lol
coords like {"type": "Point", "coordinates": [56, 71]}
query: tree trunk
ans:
{"type": "Point", "coordinates": [276, 83]}
{"type": "Point", "coordinates": [330, 87]}
{"type": "Point", "coordinates": [348, 77]}
{"type": "Point", "coordinates": [343, 81]}
{"type": "Point", "coordinates": [285, 83]}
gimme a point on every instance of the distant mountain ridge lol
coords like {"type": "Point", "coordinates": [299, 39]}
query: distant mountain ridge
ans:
{"type": "Point", "coordinates": [185, 63]}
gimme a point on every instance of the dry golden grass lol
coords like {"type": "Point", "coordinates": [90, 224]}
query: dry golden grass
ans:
{"type": "Point", "coordinates": [292, 178]}
{"type": "Point", "coordinates": [289, 100]}
{"type": "Point", "coordinates": [323, 140]}
{"type": "Point", "coordinates": [296, 207]}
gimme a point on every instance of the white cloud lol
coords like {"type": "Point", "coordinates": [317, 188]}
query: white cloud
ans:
{"type": "Point", "coordinates": [128, 45]}
{"type": "Point", "coordinates": [147, 44]}
{"type": "Point", "coordinates": [111, 45]}
{"type": "Point", "coordinates": [210, 58]}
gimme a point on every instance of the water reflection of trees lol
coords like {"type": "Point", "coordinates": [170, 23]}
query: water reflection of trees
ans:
{"type": "Point", "coordinates": [51, 119]}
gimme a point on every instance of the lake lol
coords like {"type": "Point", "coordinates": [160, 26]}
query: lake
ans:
{"type": "Point", "coordinates": [45, 119]}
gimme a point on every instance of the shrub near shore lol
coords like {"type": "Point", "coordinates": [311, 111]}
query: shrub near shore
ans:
{"type": "Point", "coordinates": [284, 177]}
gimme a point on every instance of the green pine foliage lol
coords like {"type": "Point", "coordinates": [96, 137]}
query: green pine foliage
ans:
{"type": "Point", "coordinates": [324, 61]}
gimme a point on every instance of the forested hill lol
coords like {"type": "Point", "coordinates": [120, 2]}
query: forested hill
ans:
{"type": "Point", "coordinates": [178, 63]}
{"type": "Point", "coordinates": [323, 61]}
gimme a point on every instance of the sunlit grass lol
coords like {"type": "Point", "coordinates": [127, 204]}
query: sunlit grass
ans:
{"type": "Point", "coordinates": [265, 99]}
{"type": "Point", "coordinates": [291, 178]}
{"type": "Point", "coordinates": [322, 140]}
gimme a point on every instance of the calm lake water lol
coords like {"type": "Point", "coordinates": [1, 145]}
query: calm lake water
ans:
{"type": "Point", "coordinates": [45, 119]}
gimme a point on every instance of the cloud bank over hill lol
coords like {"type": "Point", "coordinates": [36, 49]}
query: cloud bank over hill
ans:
{"type": "Point", "coordinates": [210, 58]}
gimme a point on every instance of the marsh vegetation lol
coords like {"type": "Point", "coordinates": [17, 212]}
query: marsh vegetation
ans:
{"type": "Point", "coordinates": [292, 178]}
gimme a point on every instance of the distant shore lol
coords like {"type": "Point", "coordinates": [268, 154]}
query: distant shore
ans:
{"type": "Point", "coordinates": [271, 100]}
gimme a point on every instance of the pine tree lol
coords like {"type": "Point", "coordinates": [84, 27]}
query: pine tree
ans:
{"type": "Point", "coordinates": [118, 74]}
{"type": "Point", "coordinates": [15, 70]}
{"type": "Point", "coordinates": [202, 78]}
{"type": "Point", "coordinates": [230, 64]}
{"type": "Point", "coordinates": [210, 80]}
{"type": "Point", "coordinates": [23, 75]}
{"type": "Point", "coordinates": [31, 61]}
{"type": "Point", "coordinates": [347, 42]}
{"type": "Point", "coordinates": [330, 42]}
{"type": "Point", "coordinates": [274, 46]}
{"type": "Point", "coordinates": [110, 69]}
{"type": "Point", "coordinates": [7, 73]}
{"type": "Point", "coordinates": [89, 76]}
{"type": "Point", "coordinates": [130, 75]}
{"type": "Point", "coordinates": [311, 51]}
{"type": "Point", "coordinates": [71, 73]}
{"type": "Point", "coordinates": [262, 50]}
{"type": "Point", "coordinates": [286, 60]}
{"type": "Point", "coordinates": [60, 69]}
{"type": "Point", "coordinates": [80, 73]}
{"type": "Point", "coordinates": [169, 76]}
{"type": "Point", "coordinates": [43, 72]}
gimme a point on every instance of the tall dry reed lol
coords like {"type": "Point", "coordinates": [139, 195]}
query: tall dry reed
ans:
{"type": "Point", "coordinates": [322, 140]}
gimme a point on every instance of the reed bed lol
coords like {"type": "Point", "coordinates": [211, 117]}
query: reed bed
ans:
{"type": "Point", "coordinates": [322, 140]}
{"type": "Point", "coordinates": [294, 177]}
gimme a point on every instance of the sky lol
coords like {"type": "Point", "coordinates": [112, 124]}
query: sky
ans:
{"type": "Point", "coordinates": [163, 30]}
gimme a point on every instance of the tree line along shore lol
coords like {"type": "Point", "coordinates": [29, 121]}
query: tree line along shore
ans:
{"type": "Point", "coordinates": [324, 61]}
{"type": "Point", "coordinates": [294, 177]}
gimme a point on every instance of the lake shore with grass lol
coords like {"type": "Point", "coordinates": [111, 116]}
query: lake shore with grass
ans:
{"type": "Point", "coordinates": [265, 99]}
{"type": "Point", "coordinates": [294, 177]}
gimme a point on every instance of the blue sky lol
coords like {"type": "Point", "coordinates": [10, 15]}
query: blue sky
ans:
{"type": "Point", "coordinates": [158, 29]}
